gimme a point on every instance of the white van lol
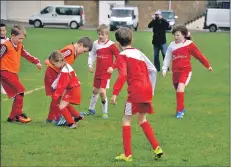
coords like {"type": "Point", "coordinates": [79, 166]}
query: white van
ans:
{"type": "Point", "coordinates": [72, 16]}
{"type": "Point", "coordinates": [217, 19]}
{"type": "Point", "coordinates": [124, 17]}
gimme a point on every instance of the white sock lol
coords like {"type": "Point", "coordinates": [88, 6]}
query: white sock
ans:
{"type": "Point", "coordinates": [105, 106]}
{"type": "Point", "coordinates": [93, 101]}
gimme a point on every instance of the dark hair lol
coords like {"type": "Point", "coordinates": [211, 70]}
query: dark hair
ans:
{"type": "Point", "coordinates": [124, 36]}
{"type": "Point", "coordinates": [86, 41]}
{"type": "Point", "coordinates": [2, 25]}
{"type": "Point", "coordinates": [181, 28]}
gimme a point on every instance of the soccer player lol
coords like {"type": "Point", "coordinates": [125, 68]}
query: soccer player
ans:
{"type": "Point", "coordinates": [67, 88]}
{"type": "Point", "coordinates": [11, 52]}
{"type": "Point", "coordinates": [70, 53]}
{"type": "Point", "coordinates": [3, 39]}
{"type": "Point", "coordinates": [102, 51]}
{"type": "Point", "coordinates": [179, 53]}
{"type": "Point", "coordinates": [140, 74]}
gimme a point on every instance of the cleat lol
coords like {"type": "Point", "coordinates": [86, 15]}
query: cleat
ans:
{"type": "Point", "coordinates": [183, 111]}
{"type": "Point", "coordinates": [158, 152]}
{"type": "Point", "coordinates": [89, 112]}
{"type": "Point", "coordinates": [179, 115]}
{"type": "Point", "coordinates": [61, 121]}
{"type": "Point", "coordinates": [22, 119]}
{"type": "Point", "coordinates": [79, 118]}
{"type": "Point", "coordinates": [72, 126]}
{"type": "Point", "coordinates": [10, 120]}
{"type": "Point", "coordinates": [122, 157]}
{"type": "Point", "coordinates": [105, 116]}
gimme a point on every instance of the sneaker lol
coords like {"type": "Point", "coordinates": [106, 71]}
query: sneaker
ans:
{"type": "Point", "coordinates": [122, 157]}
{"type": "Point", "coordinates": [79, 118]}
{"type": "Point", "coordinates": [183, 111]}
{"type": "Point", "coordinates": [105, 116]}
{"type": "Point", "coordinates": [89, 112]}
{"type": "Point", "coordinates": [50, 121]}
{"type": "Point", "coordinates": [72, 126]}
{"type": "Point", "coordinates": [158, 152]}
{"type": "Point", "coordinates": [61, 121]}
{"type": "Point", "coordinates": [22, 119]}
{"type": "Point", "coordinates": [179, 115]}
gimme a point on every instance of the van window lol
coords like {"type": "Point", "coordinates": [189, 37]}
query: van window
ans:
{"type": "Point", "coordinates": [122, 13]}
{"type": "Point", "coordinates": [67, 11]}
{"type": "Point", "coordinates": [46, 10]}
{"type": "Point", "coordinates": [168, 15]}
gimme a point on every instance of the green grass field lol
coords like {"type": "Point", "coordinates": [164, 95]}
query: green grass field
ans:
{"type": "Point", "coordinates": [200, 139]}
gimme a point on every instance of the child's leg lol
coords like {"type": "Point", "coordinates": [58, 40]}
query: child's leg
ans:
{"type": "Point", "coordinates": [94, 98]}
{"type": "Point", "coordinates": [52, 114]}
{"type": "Point", "coordinates": [65, 112]}
{"type": "Point", "coordinates": [127, 134]}
{"type": "Point", "coordinates": [180, 97]}
{"type": "Point", "coordinates": [104, 100]}
{"type": "Point", "coordinates": [147, 129]}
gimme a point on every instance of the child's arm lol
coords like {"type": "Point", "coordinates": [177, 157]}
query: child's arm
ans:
{"type": "Point", "coordinates": [122, 77]}
{"type": "Point", "coordinates": [92, 58]}
{"type": "Point", "coordinates": [115, 51]}
{"type": "Point", "coordinates": [31, 58]}
{"type": "Point", "coordinates": [60, 85]}
{"type": "Point", "coordinates": [151, 71]}
{"type": "Point", "coordinates": [167, 60]}
{"type": "Point", "coordinates": [199, 56]}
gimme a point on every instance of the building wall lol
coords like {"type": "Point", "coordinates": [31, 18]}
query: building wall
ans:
{"type": "Point", "coordinates": [22, 10]}
{"type": "Point", "coordinates": [91, 9]}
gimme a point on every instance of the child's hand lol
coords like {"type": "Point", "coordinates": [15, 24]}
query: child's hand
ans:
{"type": "Point", "coordinates": [39, 66]}
{"type": "Point", "coordinates": [110, 70]}
{"type": "Point", "coordinates": [164, 73]}
{"type": "Point", "coordinates": [91, 69]}
{"type": "Point", "coordinates": [210, 69]}
{"type": "Point", "coordinates": [113, 99]}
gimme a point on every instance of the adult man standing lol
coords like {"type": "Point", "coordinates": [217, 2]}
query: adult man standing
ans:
{"type": "Point", "coordinates": [159, 26]}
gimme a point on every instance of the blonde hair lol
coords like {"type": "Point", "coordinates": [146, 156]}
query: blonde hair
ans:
{"type": "Point", "coordinates": [17, 30]}
{"type": "Point", "coordinates": [55, 56]}
{"type": "Point", "coordinates": [103, 28]}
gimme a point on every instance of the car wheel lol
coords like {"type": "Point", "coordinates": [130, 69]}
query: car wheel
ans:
{"type": "Point", "coordinates": [74, 25]}
{"type": "Point", "coordinates": [213, 28]}
{"type": "Point", "coordinates": [37, 24]}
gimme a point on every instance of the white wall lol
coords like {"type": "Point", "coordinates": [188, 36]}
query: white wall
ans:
{"type": "Point", "coordinates": [104, 10]}
{"type": "Point", "coordinates": [22, 10]}
{"type": "Point", "coordinates": [3, 10]}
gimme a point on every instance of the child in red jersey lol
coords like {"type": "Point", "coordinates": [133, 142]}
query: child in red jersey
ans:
{"type": "Point", "coordinates": [179, 53]}
{"type": "Point", "coordinates": [140, 74]}
{"type": "Point", "coordinates": [102, 52]}
{"type": "Point", "coordinates": [11, 52]}
{"type": "Point", "coordinates": [70, 53]}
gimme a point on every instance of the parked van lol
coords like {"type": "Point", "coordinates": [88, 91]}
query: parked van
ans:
{"type": "Point", "coordinates": [216, 19]}
{"type": "Point", "coordinates": [72, 16]}
{"type": "Point", "coordinates": [170, 16]}
{"type": "Point", "coordinates": [124, 16]}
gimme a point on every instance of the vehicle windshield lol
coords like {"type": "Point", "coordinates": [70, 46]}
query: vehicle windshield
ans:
{"type": "Point", "coordinates": [168, 15]}
{"type": "Point", "coordinates": [121, 13]}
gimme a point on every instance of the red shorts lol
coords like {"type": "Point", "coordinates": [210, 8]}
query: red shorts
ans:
{"type": "Point", "coordinates": [11, 83]}
{"type": "Point", "coordinates": [181, 77]}
{"type": "Point", "coordinates": [133, 108]}
{"type": "Point", "coordinates": [101, 83]}
{"type": "Point", "coordinates": [73, 95]}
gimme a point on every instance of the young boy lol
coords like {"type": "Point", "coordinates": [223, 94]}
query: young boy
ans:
{"type": "Point", "coordinates": [102, 51]}
{"type": "Point", "coordinates": [3, 39]}
{"type": "Point", "coordinates": [179, 52]}
{"type": "Point", "coordinates": [140, 74]}
{"type": "Point", "coordinates": [67, 88]}
{"type": "Point", "coordinates": [70, 53]}
{"type": "Point", "coordinates": [11, 52]}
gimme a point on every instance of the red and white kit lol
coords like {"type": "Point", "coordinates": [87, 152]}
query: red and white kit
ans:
{"type": "Point", "coordinates": [103, 54]}
{"type": "Point", "coordinates": [180, 55]}
{"type": "Point", "coordinates": [140, 74]}
{"type": "Point", "coordinates": [67, 86]}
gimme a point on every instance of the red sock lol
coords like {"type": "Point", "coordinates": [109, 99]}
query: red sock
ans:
{"type": "Point", "coordinates": [67, 115]}
{"type": "Point", "coordinates": [73, 111]}
{"type": "Point", "coordinates": [51, 114]}
{"type": "Point", "coordinates": [149, 134]}
{"type": "Point", "coordinates": [17, 106]}
{"type": "Point", "coordinates": [127, 140]}
{"type": "Point", "coordinates": [179, 101]}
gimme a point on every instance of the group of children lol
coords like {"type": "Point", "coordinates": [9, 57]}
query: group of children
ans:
{"type": "Point", "coordinates": [63, 85]}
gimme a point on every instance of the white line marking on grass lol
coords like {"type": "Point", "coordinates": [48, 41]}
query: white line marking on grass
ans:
{"type": "Point", "coordinates": [29, 92]}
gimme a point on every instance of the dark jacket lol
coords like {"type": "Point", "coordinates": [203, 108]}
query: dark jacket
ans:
{"type": "Point", "coordinates": [159, 28]}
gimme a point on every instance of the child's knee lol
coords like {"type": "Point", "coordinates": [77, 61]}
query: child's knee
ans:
{"type": "Point", "coordinates": [141, 118]}
{"type": "Point", "coordinates": [95, 91]}
{"type": "Point", "coordinates": [126, 120]}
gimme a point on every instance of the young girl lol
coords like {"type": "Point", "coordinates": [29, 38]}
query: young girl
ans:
{"type": "Point", "coordinates": [67, 88]}
{"type": "Point", "coordinates": [179, 52]}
